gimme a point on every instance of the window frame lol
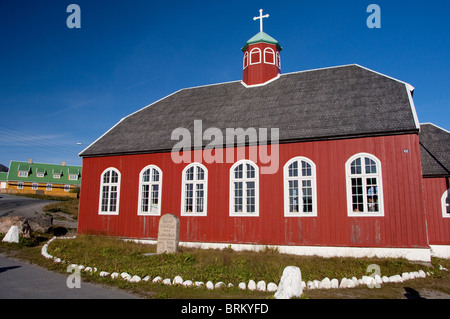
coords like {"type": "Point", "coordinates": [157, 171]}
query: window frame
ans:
{"type": "Point", "coordinates": [364, 175]}
{"type": "Point", "coordinates": [244, 180]}
{"type": "Point", "coordinates": [300, 178]}
{"type": "Point", "coordinates": [34, 186]}
{"type": "Point", "coordinates": [272, 53]}
{"type": "Point", "coordinates": [20, 185]}
{"type": "Point", "coordinates": [245, 61]}
{"type": "Point", "coordinates": [258, 50]}
{"type": "Point", "coordinates": [444, 197]}
{"type": "Point", "coordinates": [109, 184]}
{"type": "Point", "coordinates": [150, 183]}
{"type": "Point", "coordinates": [195, 182]}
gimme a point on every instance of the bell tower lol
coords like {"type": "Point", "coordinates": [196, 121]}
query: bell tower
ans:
{"type": "Point", "coordinates": [261, 63]}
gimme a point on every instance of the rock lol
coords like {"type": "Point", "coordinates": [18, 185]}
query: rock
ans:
{"type": "Point", "coordinates": [422, 274]}
{"type": "Point", "coordinates": [290, 283]}
{"type": "Point", "coordinates": [334, 283]}
{"type": "Point", "coordinates": [157, 279]}
{"type": "Point", "coordinates": [167, 282]}
{"type": "Point", "coordinates": [325, 283]}
{"type": "Point", "coordinates": [135, 279]}
{"type": "Point", "coordinates": [271, 287]}
{"type": "Point", "coordinates": [251, 285]}
{"type": "Point", "coordinates": [395, 278]}
{"type": "Point", "coordinates": [351, 284]}
{"type": "Point", "coordinates": [344, 283]}
{"type": "Point", "coordinates": [146, 278]}
{"type": "Point", "coordinates": [230, 285]}
{"type": "Point", "coordinates": [124, 275]}
{"type": "Point", "coordinates": [199, 283]}
{"type": "Point", "coordinates": [310, 285]}
{"type": "Point", "coordinates": [104, 274]}
{"type": "Point", "coordinates": [188, 283]}
{"type": "Point", "coordinates": [115, 275]}
{"type": "Point", "coordinates": [261, 285]}
{"type": "Point", "coordinates": [41, 224]}
{"type": "Point", "coordinates": [219, 285]}
{"type": "Point", "coordinates": [385, 279]}
{"type": "Point", "coordinates": [177, 280]}
{"type": "Point", "coordinates": [242, 286]}
{"type": "Point", "coordinates": [209, 285]}
{"type": "Point", "coordinates": [20, 222]}
{"type": "Point", "coordinates": [12, 236]}
{"type": "Point", "coordinates": [316, 284]}
{"type": "Point", "coordinates": [406, 276]}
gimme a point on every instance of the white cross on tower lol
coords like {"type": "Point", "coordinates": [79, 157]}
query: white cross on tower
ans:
{"type": "Point", "coordinates": [261, 16]}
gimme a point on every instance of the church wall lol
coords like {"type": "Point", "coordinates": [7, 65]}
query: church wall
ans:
{"type": "Point", "coordinates": [438, 226]}
{"type": "Point", "coordinates": [403, 224]}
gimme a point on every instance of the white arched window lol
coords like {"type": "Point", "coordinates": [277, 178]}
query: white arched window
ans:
{"type": "Point", "coordinates": [255, 56]}
{"type": "Point", "coordinates": [244, 189]}
{"type": "Point", "coordinates": [109, 192]}
{"type": "Point", "coordinates": [445, 204]}
{"type": "Point", "coordinates": [364, 186]}
{"type": "Point", "coordinates": [150, 181]}
{"type": "Point", "coordinates": [269, 56]}
{"type": "Point", "coordinates": [245, 60]}
{"type": "Point", "coordinates": [300, 197]}
{"type": "Point", "coordinates": [194, 190]}
{"type": "Point", "coordinates": [278, 60]}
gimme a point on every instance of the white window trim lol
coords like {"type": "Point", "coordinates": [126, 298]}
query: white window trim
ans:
{"type": "Point", "coordinates": [243, 180]}
{"type": "Point", "coordinates": [195, 181]}
{"type": "Point", "coordinates": [278, 60]}
{"type": "Point", "coordinates": [158, 211]}
{"type": "Point", "coordinates": [57, 176]}
{"type": "Point", "coordinates": [116, 212]}
{"type": "Point", "coordinates": [67, 188]}
{"type": "Point", "coordinates": [444, 204]}
{"type": "Point", "coordinates": [20, 185]}
{"type": "Point", "coordinates": [245, 62]}
{"type": "Point", "coordinates": [273, 56]}
{"type": "Point", "coordinates": [22, 174]}
{"type": "Point", "coordinates": [379, 177]}
{"type": "Point", "coordinates": [34, 186]}
{"type": "Point", "coordinates": [48, 187]}
{"type": "Point", "coordinates": [286, 180]}
{"type": "Point", "coordinates": [73, 177]}
{"type": "Point", "coordinates": [40, 174]}
{"type": "Point", "coordinates": [250, 56]}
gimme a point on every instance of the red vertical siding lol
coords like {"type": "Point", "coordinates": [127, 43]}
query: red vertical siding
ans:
{"type": "Point", "coordinates": [403, 223]}
{"type": "Point", "coordinates": [438, 226]}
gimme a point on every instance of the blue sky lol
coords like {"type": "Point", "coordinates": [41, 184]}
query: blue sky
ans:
{"type": "Point", "coordinates": [61, 86]}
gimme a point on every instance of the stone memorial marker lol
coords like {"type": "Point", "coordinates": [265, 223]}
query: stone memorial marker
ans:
{"type": "Point", "coordinates": [168, 234]}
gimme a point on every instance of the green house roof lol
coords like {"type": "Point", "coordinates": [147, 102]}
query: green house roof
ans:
{"type": "Point", "coordinates": [262, 37]}
{"type": "Point", "coordinates": [47, 169]}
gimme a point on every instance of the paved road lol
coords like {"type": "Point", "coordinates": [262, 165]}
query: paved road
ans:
{"type": "Point", "coordinates": [11, 205]}
{"type": "Point", "coordinates": [20, 280]}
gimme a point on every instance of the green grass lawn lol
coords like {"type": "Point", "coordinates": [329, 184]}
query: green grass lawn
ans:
{"type": "Point", "coordinates": [226, 265]}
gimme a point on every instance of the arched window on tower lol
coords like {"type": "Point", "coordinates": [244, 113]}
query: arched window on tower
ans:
{"type": "Point", "coordinates": [269, 56]}
{"type": "Point", "coordinates": [255, 56]}
{"type": "Point", "coordinates": [245, 60]}
{"type": "Point", "coordinates": [278, 60]}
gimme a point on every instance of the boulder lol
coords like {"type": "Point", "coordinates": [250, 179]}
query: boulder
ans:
{"type": "Point", "coordinates": [290, 284]}
{"type": "Point", "coordinates": [21, 222]}
{"type": "Point", "coordinates": [41, 224]}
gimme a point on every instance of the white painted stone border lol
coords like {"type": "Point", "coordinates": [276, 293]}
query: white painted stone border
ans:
{"type": "Point", "coordinates": [325, 283]}
{"type": "Point", "coordinates": [412, 254]}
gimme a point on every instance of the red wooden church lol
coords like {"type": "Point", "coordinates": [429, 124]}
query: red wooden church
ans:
{"type": "Point", "coordinates": [343, 178]}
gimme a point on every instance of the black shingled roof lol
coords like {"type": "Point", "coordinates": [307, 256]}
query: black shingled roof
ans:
{"type": "Point", "coordinates": [434, 150]}
{"type": "Point", "coordinates": [336, 102]}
